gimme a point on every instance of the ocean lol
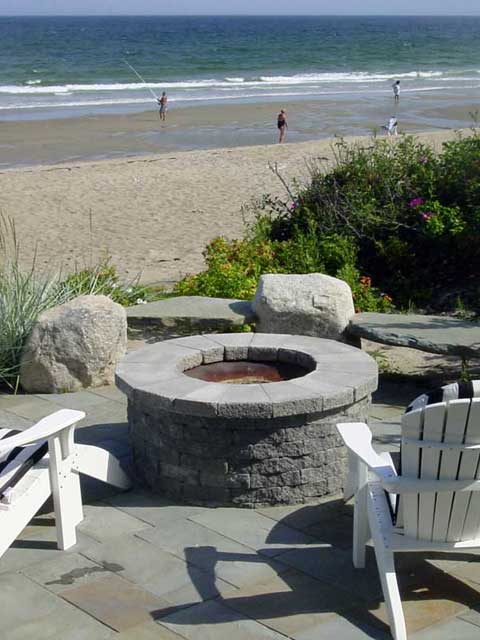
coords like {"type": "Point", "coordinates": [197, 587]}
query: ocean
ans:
{"type": "Point", "coordinates": [54, 67]}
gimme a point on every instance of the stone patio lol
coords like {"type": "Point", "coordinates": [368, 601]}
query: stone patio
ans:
{"type": "Point", "coordinates": [146, 569]}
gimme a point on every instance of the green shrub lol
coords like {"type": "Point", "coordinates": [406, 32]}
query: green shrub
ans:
{"type": "Point", "coordinates": [396, 215]}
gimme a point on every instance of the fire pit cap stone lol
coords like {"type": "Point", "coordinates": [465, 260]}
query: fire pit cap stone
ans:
{"type": "Point", "coordinates": [336, 375]}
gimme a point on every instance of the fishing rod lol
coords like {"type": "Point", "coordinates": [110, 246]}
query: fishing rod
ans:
{"type": "Point", "coordinates": [142, 79]}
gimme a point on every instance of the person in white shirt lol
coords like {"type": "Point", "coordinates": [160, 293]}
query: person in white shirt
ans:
{"type": "Point", "coordinates": [396, 90]}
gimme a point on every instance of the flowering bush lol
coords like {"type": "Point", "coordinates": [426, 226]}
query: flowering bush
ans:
{"type": "Point", "coordinates": [394, 221]}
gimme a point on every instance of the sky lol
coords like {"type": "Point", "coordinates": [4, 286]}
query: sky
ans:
{"type": "Point", "coordinates": [249, 7]}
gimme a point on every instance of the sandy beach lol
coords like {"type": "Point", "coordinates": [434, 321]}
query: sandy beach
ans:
{"type": "Point", "coordinates": [152, 214]}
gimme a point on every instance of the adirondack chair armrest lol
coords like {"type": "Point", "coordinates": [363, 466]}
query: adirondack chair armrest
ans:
{"type": "Point", "coordinates": [358, 440]}
{"type": "Point", "coordinates": [42, 430]}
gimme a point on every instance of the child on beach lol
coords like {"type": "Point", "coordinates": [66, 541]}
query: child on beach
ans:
{"type": "Point", "coordinates": [282, 125]}
{"type": "Point", "coordinates": [391, 126]}
{"type": "Point", "coordinates": [163, 106]}
{"type": "Point", "coordinates": [396, 90]}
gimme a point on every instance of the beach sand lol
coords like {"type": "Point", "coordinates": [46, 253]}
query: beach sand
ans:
{"type": "Point", "coordinates": [152, 214]}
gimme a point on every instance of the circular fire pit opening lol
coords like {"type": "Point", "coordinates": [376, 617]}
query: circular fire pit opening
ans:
{"type": "Point", "coordinates": [246, 372]}
{"type": "Point", "coordinates": [244, 419]}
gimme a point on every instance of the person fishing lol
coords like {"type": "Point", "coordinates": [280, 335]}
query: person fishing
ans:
{"type": "Point", "coordinates": [282, 125]}
{"type": "Point", "coordinates": [163, 106]}
{"type": "Point", "coordinates": [162, 102]}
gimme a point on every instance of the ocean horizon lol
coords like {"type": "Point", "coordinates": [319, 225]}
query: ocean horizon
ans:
{"type": "Point", "coordinates": [56, 66]}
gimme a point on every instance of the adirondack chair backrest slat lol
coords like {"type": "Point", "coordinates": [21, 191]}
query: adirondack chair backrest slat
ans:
{"type": "Point", "coordinates": [412, 428]}
{"type": "Point", "coordinates": [433, 428]}
{"type": "Point", "coordinates": [469, 467]}
{"type": "Point", "coordinates": [456, 420]}
{"type": "Point", "coordinates": [442, 516]}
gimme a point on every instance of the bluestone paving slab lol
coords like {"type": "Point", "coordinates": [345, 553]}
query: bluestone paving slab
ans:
{"type": "Point", "coordinates": [291, 604]}
{"type": "Point", "coordinates": [334, 566]}
{"type": "Point", "coordinates": [434, 334]}
{"type": "Point", "coordinates": [303, 516]}
{"type": "Point", "coordinates": [436, 597]}
{"type": "Point", "coordinates": [102, 522]}
{"type": "Point", "coordinates": [10, 420]}
{"type": "Point", "coordinates": [385, 433]}
{"type": "Point", "coordinates": [66, 571]}
{"type": "Point", "coordinates": [152, 508]}
{"type": "Point", "coordinates": [156, 570]}
{"type": "Point", "coordinates": [196, 312]}
{"type": "Point", "coordinates": [30, 612]}
{"type": "Point", "coordinates": [79, 400]}
{"type": "Point", "coordinates": [252, 530]}
{"type": "Point", "coordinates": [30, 407]}
{"type": "Point", "coordinates": [148, 631]}
{"type": "Point", "coordinates": [110, 392]}
{"type": "Point", "coordinates": [115, 602]}
{"type": "Point", "coordinates": [97, 433]}
{"type": "Point", "coordinates": [338, 627]}
{"type": "Point", "coordinates": [454, 564]}
{"type": "Point", "coordinates": [108, 413]}
{"type": "Point", "coordinates": [337, 531]}
{"type": "Point", "coordinates": [456, 629]}
{"type": "Point", "coordinates": [388, 412]}
{"type": "Point", "coordinates": [38, 544]}
{"type": "Point", "coordinates": [214, 553]}
{"type": "Point", "coordinates": [214, 621]}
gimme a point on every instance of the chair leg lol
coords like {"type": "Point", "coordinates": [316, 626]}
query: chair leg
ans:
{"type": "Point", "coordinates": [388, 578]}
{"type": "Point", "coordinates": [100, 464]}
{"type": "Point", "coordinates": [67, 499]}
{"type": "Point", "coordinates": [361, 528]}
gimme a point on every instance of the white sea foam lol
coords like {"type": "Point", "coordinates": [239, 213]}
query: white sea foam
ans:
{"type": "Point", "coordinates": [208, 98]}
{"type": "Point", "coordinates": [33, 87]}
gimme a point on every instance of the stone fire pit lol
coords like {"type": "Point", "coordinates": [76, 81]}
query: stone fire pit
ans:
{"type": "Point", "coordinates": [244, 419]}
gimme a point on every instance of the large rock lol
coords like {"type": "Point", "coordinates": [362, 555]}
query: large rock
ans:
{"type": "Point", "coordinates": [74, 345]}
{"type": "Point", "coordinates": [312, 304]}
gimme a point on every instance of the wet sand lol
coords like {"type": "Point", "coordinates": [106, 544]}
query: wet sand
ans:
{"type": "Point", "coordinates": [153, 214]}
{"type": "Point", "coordinates": [32, 142]}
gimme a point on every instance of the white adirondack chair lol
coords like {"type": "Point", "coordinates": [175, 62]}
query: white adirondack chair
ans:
{"type": "Point", "coordinates": [44, 460]}
{"type": "Point", "coordinates": [434, 504]}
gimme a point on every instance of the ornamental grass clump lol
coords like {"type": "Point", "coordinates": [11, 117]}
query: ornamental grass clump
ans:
{"type": "Point", "coordinates": [23, 296]}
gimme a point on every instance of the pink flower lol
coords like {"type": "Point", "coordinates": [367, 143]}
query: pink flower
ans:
{"type": "Point", "coordinates": [426, 215]}
{"type": "Point", "coordinates": [416, 202]}
{"type": "Point", "coordinates": [424, 160]}
{"type": "Point", "coordinates": [293, 206]}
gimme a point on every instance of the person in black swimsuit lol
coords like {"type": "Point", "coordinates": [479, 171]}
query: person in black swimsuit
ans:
{"type": "Point", "coordinates": [282, 125]}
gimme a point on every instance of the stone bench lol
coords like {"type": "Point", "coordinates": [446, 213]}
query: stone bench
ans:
{"type": "Point", "coordinates": [433, 334]}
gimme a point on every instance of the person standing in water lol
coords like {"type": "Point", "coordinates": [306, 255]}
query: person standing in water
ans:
{"type": "Point", "coordinates": [282, 125]}
{"type": "Point", "coordinates": [396, 90]}
{"type": "Point", "coordinates": [163, 106]}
